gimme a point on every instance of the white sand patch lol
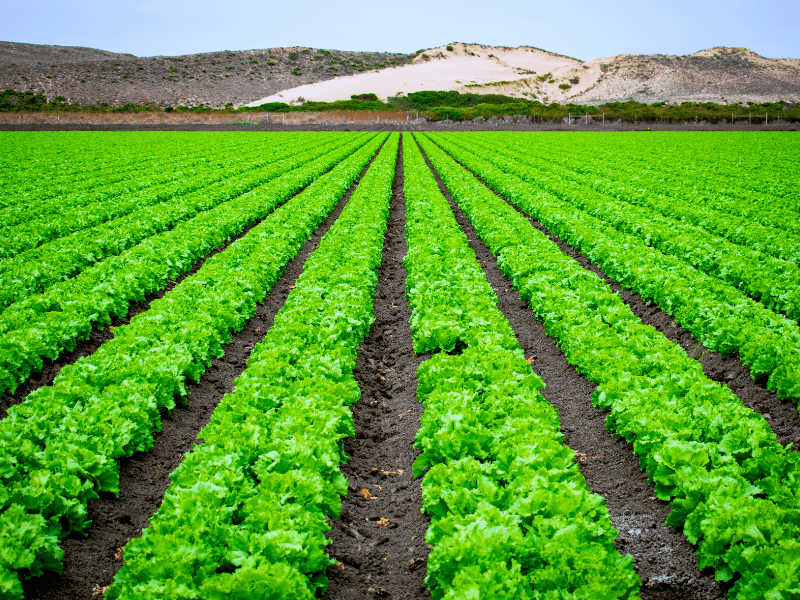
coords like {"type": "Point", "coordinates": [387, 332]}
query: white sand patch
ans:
{"type": "Point", "coordinates": [467, 68]}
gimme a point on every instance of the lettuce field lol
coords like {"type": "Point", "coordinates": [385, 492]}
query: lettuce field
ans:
{"type": "Point", "coordinates": [540, 366]}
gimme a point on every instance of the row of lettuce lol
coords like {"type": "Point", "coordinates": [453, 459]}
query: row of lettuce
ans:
{"type": "Point", "coordinates": [248, 508]}
{"type": "Point", "coordinates": [42, 166]}
{"type": "Point", "coordinates": [35, 221]}
{"type": "Point", "coordinates": [732, 486]}
{"type": "Point", "coordinates": [512, 517]}
{"type": "Point", "coordinates": [722, 317]}
{"type": "Point", "coordinates": [728, 166]}
{"type": "Point", "coordinates": [47, 324]}
{"type": "Point", "coordinates": [79, 244]}
{"type": "Point", "coordinates": [60, 448]}
{"type": "Point", "coordinates": [663, 225]}
{"type": "Point", "coordinates": [667, 174]}
{"type": "Point", "coordinates": [39, 172]}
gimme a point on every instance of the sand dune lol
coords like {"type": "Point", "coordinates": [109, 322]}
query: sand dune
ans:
{"type": "Point", "coordinates": [716, 74]}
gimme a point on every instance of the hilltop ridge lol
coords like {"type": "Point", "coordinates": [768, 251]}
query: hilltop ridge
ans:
{"type": "Point", "coordinates": [250, 77]}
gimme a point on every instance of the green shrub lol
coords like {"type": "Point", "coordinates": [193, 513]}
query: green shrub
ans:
{"type": "Point", "coordinates": [565, 86]}
{"type": "Point", "coordinates": [449, 48]}
{"type": "Point", "coordinates": [364, 97]}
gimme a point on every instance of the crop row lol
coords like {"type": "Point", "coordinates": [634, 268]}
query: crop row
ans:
{"type": "Point", "coordinates": [34, 271]}
{"type": "Point", "coordinates": [628, 184]}
{"type": "Point", "coordinates": [246, 513]}
{"type": "Point", "coordinates": [93, 161]}
{"type": "Point", "coordinates": [722, 318]}
{"type": "Point", "coordinates": [732, 486]}
{"type": "Point", "coordinates": [47, 186]}
{"type": "Point", "coordinates": [774, 283]}
{"type": "Point", "coordinates": [676, 182]}
{"type": "Point", "coordinates": [512, 517]}
{"type": "Point", "coordinates": [59, 448]}
{"type": "Point", "coordinates": [160, 166]}
{"type": "Point", "coordinates": [45, 325]}
{"type": "Point", "coordinates": [117, 209]}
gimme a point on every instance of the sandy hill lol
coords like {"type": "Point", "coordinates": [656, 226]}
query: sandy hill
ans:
{"type": "Point", "coordinates": [89, 76]}
{"type": "Point", "coordinates": [713, 75]}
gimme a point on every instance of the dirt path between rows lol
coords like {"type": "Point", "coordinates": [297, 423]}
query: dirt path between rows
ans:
{"type": "Point", "coordinates": [91, 562]}
{"type": "Point", "coordinates": [665, 561]}
{"type": "Point", "coordinates": [378, 542]}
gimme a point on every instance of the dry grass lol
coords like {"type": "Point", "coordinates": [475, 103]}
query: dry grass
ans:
{"type": "Point", "coordinates": [190, 118]}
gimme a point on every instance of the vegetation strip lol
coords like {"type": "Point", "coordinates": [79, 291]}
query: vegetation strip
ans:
{"type": "Point", "coordinates": [676, 198]}
{"type": "Point", "coordinates": [722, 318]}
{"type": "Point", "coordinates": [378, 542]}
{"type": "Point", "coordinates": [511, 514]}
{"type": "Point", "coordinates": [91, 562]}
{"type": "Point", "coordinates": [252, 500]}
{"type": "Point", "coordinates": [114, 213]}
{"type": "Point", "coordinates": [34, 271]}
{"type": "Point", "coordinates": [64, 173]}
{"type": "Point", "coordinates": [58, 449]}
{"type": "Point", "coordinates": [772, 282]}
{"type": "Point", "coordinates": [98, 337]}
{"type": "Point", "coordinates": [729, 481]}
{"type": "Point", "coordinates": [46, 325]}
{"type": "Point", "coordinates": [29, 224]}
{"type": "Point", "coordinates": [664, 559]}
{"type": "Point", "coordinates": [719, 184]}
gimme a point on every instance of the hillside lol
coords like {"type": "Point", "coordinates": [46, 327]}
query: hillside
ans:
{"type": "Point", "coordinates": [723, 75]}
{"type": "Point", "coordinates": [89, 76]}
{"type": "Point", "coordinates": [251, 77]}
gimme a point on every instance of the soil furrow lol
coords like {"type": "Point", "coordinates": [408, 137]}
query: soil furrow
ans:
{"type": "Point", "coordinates": [91, 562]}
{"type": "Point", "coordinates": [664, 559]}
{"type": "Point", "coordinates": [379, 540]}
{"type": "Point", "coordinates": [98, 337]}
{"type": "Point", "coordinates": [783, 416]}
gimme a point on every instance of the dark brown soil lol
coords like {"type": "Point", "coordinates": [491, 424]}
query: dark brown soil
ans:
{"type": "Point", "coordinates": [87, 76]}
{"type": "Point", "coordinates": [91, 562]}
{"type": "Point", "coordinates": [665, 561]}
{"type": "Point", "coordinates": [379, 541]}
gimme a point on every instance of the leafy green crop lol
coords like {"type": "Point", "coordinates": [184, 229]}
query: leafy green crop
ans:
{"type": "Point", "coordinates": [44, 326]}
{"type": "Point", "coordinates": [246, 513]}
{"type": "Point", "coordinates": [35, 270]}
{"type": "Point", "coordinates": [511, 515]}
{"type": "Point", "coordinates": [732, 486]}
{"type": "Point", "coordinates": [773, 282]}
{"type": "Point", "coordinates": [724, 319]}
{"type": "Point", "coordinates": [59, 448]}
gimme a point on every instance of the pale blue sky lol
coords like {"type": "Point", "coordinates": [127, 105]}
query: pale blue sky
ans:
{"type": "Point", "coordinates": [581, 29]}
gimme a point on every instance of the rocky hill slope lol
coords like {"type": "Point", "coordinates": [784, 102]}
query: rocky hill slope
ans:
{"type": "Point", "coordinates": [88, 76]}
